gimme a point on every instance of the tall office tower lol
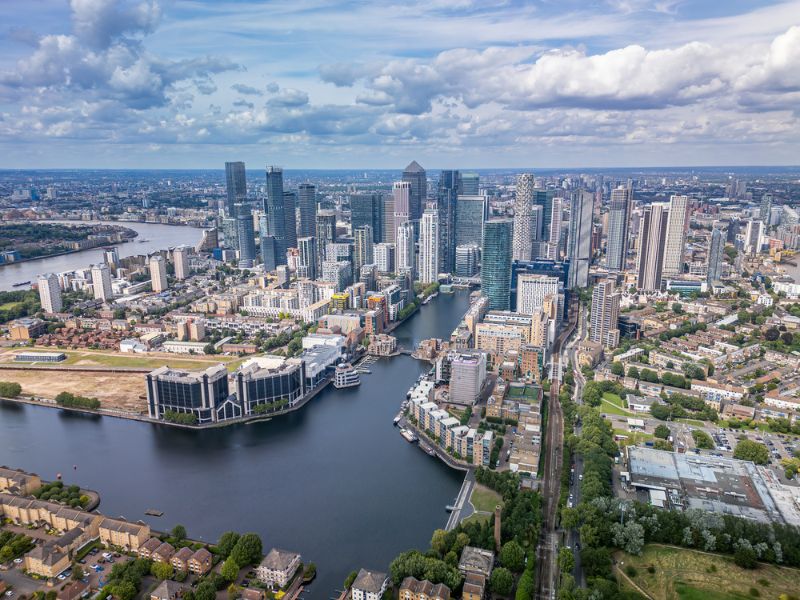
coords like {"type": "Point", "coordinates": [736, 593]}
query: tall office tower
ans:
{"type": "Point", "coordinates": [580, 239]}
{"type": "Point", "coordinates": [307, 203]}
{"type": "Point", "coordinates": [367, 209]}
{"type": "Point", "coordinates": [111, 257]}
{"type": "Point", "coordinates": [496, 263]}
{"type": "Point", "coordinates": [401, 192]}
{"type": "Point", "coordinates": [180, 256]}
{"type": "Point", "coordinates": [446, 196]}
{"type": "Point", "coordinates": [753, 237]}
{"type": "Point", "coordinates": [675, 243]}
{"type": "Point", "coordinates": [766, 209]}
{"type": "Point", "coordinates": [716, 247]}
{"type": "Point", "coordinates": [235, 186]}
{"type": "Point", "coordinates": [429, 246]}
{"type": "Point", "coordinates": [247, 238]}
{"type": "Point", "coordinates": [619, 218]}
{"type": "Point", "coordinates": [533, 290]}
{"type": "Point", "coordinates": [605, 314]}
{"type": "Point", "coordinates": [158, 273]}
{"type": "Point", "coordinates": [290, 213]}
{"type": "Point", "coordinates": [384, 257]}
{"type": "Point", "coordinates": [364, 249]}
{"type": "Point", "coordinates": [338, 272]}
{"type": "Point", "coordinates": [544, 198]}
{"type": "Point", "coordinates": [470, 184]}
{"type": "Point", "coordinates": [523, 219]}
{"type": "Point", "coordinates": [389, 228]}
{"type": "Point", "coordinates": [405, 249]}
{"type": "Point", "coordinates": [268, 259]}
{"type": "Point", "coordinates": [307, 258]}
{"type": "Point", "coordinates": [467, 260]}
{"type": "Point", "coordinates": [279, 214]}
{"type": "Point", "coordinates": [101, 282]}
{"type": "Point", "coordinates": [471, 212]}
{"type": "Point", "coordinates": [50, 293]}
{"type": "Point", "coordinates": [414, 175]}
{"type": "Point", "coordinates": [652, 238]}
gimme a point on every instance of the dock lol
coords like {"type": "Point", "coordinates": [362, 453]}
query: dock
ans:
{"type": "Point", "coordinates": [457, 514]}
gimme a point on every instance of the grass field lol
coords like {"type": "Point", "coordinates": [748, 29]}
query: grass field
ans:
{"type": "Point", "coordinates": [484, 499]}
{"type": "Point", "coordinates": [10, 305]}
{"type": "Point", "coordinates": [108, 358]}
{"type": "Point", "coordinates": [634, 437]}
{"type": "Point", "coordinates": [681, 574]}
{"type": "Point", "coordinates": [477, 518]}
{"type": "Point", "coordinates": [614, 405]}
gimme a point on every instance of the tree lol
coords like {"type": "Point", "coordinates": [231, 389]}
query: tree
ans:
{"type": "Point", "coordinates": [501, 581]}
{"type": "Point", "coordinates": [617, 368]}
{"type": "Point", "coordinates": [179, 532]}
{"type": "Point", "coordinates": [745, 556]}
{"type": "Point", "coordinates": [702, 440]}
{"type": "Point", "coordinates": [566, 560]}
{"type": "Point", "coordinates": [226, 543]}
{"type": "Point", "coordinates": [77, 572]}
{"type": "Point", "coordinates": [512, 556]}
{"type": "Point", "coordinates": [205, 591]}
{"type": "Point", "coordinates": [439, 542]}
{"type": "Point", "coordinates": [772, 334]}
{"type": "Point", "coordinates": [247, 550]}
{"type": "Point", "coordinates": [629, 537]}
{"type": "Point", "coordinates": [787, 338]}
{"type": "Point", "coordinates": [162, 570]}
{"type": "Point", "coordinates": [633, 372]}
{"type": "Point", "coordinates": [125, 590]}
{"type": "Point", "coordinates": [662, 431]}
{"type": "Point", "coordinates": [229, 570]}
{"type": "Point", "coordinates": [348, 581]}
{"type": "Point", "coordinates": [753, 451]}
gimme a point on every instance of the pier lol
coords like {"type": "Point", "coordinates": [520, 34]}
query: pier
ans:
{"type": "Point", "coordinates": [462, 500]}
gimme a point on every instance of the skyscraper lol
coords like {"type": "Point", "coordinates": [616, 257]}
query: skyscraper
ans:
{"type": "Point", "coordinates": [50, 293]}
{"type": "Point", "coordinates": [401, 192]}
{"type": "Point", "coordinates": [619, 218]}
{"type": "Point", "coordinates": [605, 314]}
{"type": "Point", "coordinates": [101, 282]}
{"type": "Point", "coordinates": [415, 176]}
{"type": "Point", "coordinates": [754, 237]}
{"type": "Point", "coordinates": [389, 228]}
{"type": "Point", "coordinates": [326, 233]}
{"type": "Point", "coordinates": [235, 186]}
{"type": "Point", "coordinates": [268, 252]}
{"type": "Point", "coordinates": [158, 273]}
{"type": "Point", "coordinates": [180, 256]}
{"type": "Point", "coordinates": [580, 239]}
{"type": "Point", "coordinates": [364, 249]}
{"type": "Point", "coordinates": [307, 257]}
{"type": "Point", "coordinates": [716, 247]}
{"type": "Point", "coordinates": [467, 260]}
{"type": "Point", "coordinates": [307, 202]}
{"type": "Point", "coordinates": [556, 225]}
{"type": "Point", "coordinates": [652, 237]}
{"type": "Point", "coordinates": [279, 214]}
{"type": "Point", "coordinates": [470, 217]}
{"type": "Point", "coordinates": [446, 196]}
{"type": "Point", "coordinates": [675, 243]}
{"type": "Point", "coordinates": [429, 246]}
{"type": "Point", "coordinates": [470, 184]}
{"type": "Point", "coordinates": [385, 257]}
{"type": "Point", "coordinates": [544, 198]}
{"type": "Point", "coordinates": [290, 214]}
{"type": "Point", "coordinates": [766, 209]}
{"type": "Point", "coordinates": [524, 234]}
{"type": "Point", "coordinates": [405, 249]}
{"type": "Point", "coordinates": [496, 263]}
{"type": "Point", "coordinates": [247, 238]}
{"type": "Point", "coordinates": [367, 209]}
{"type": "Point", "coordinates": [533, 290]}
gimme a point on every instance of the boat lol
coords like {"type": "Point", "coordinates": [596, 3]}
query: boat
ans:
{"type": "Point", "coordinates": [409, 436]}
{"type": "Point", "coordinates": [345, 376]}
{"type": "Point", "coordinates": [21, 283]}
{"type": "Point", "coordinates": [143, 241]}
{"type": "Point", "coordinates": [430, 451]}
{"type": "Point", "coordinates": [449, 508]}
{"type": "Point", "coordinates": [397, 419]}
{"type": "Point", "coordinates": [154, 513]}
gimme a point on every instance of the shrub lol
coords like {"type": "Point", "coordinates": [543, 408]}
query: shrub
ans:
{"type": "Point", "coordinates": [630, 571]}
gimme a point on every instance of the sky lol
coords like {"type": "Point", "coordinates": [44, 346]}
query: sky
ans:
{"type": "Point", "coordinates": [374, 84]}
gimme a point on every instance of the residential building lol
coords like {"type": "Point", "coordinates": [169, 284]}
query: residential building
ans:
{"type": "Point", "coordinates": [364, 252]}
{"type": "Point", "coordinates": [467, 376]}
{"type": "Point", "coordinates": [235, 187]}
{"type": "Point", "coordinates": [716, 251]}
{"type": "Point", "coordinates": [447, 192]}
{"type": "Point", "coordinates": [278, 567]}
{"type": "Point", "coordinates": [180, 560]}
{"type": "Point", "coordinates": [533, 290]}
{"type": "Point", "coordinates": [429, 239]}
{"type": "Point", "coordinates": [339, 273]}
{"type": "Point", "coordinates": [307, 204]}
{"type": "Point", "coordinates": [406, 259]}
{"type": "Point", "coordinates": [46, 561]}
{"type": "Point", "coordinates": [280, 210]}
{"type": "Point", "coordinates": [368, 585]}
{"type": "Point", "coordinates": [619, 218]}
{"type": "Point", "coordinates": [605, 314]}
{"type": "Point", "coordinates": [307, 257]}
{"type": "Point", "coordinates": [496, 263]}
{"type": "Point", "coordinates": [168, 590]}
{"type": "Point", "coordinates": [50, 293]}
{"type": "Point", "coordinates": [385, 257]}
{"type": "Point", "coordinates": [580, 239]}
{"type": "Point", "coordinates": [414, 589]}
{"type": "Point", "coordinates": [525, 233]}
{"type": "Point", "coordinates": [158, 273]}
{"type": "Point", "coordinates": [652, 236]}
{"type": "Point", "coordinates": [201, 562]}
{"type": "Point", "coordinates": [401, 193]}
{"type": "Point", "coordinates": [180, 257]}
{"type": "Point", "coordinates": [101, 282]}
{"type": "Point", "coordinates": [675, 241]}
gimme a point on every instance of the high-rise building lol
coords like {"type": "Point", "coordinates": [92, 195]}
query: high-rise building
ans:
{"type": "Point", "coordinates": [180, 256]}
{"type": "Point", "coordinates": [364, 249]}
{"type": "Point", "coordinates": [467, 260]}
{"type": "Point", "coordinates": [389, 228]}
{"type": "Point", "coordinates": [471, 212]}
{"type": "Point", "coordinates": [619, 218]}
{"type": "Point", "coordinates": [754, 237]}
{"type": "Point", "coordinates": [338, 272]}
{"type": "Point", "coordinates": [467, 376]}
{"type": "Point", "coordinates": [385, 257]}
{"type": "Point", "coordinates": [158, 273]}
{"type": "Point", "coordinates": [247, 238]}
{"type": "Point", "coordinates": [470, 184]}
{"type": "Point", "coordinates": [765, 210]}
{"type": "Point", "coordinates": [580, 239]}
{"type": "Point", "coordinates": [235, 186]}
{"type": "Point", "coordinates": [429, 246]}
{"type": "Point", "coordinates": [50, 293]}
{"type": "Point", "coordinates": [533, 290]}
{"type": "Point", "coordinates": [675, 243]}
{"type": "Point", "coordinates": [605, 314]}
{"type": "Point", "coordinates": [111, 258]}
{"type": "Point", "coordinates": [101, 282]}
{"type": "Point", "coordinates": [307, 257]}
{"type": "Point", "coordinates": [415, 176]}
{"type": "Point", "coordinates": [367, 209]}
{"type": "Point", "coordinates": [652, 238]}
{"type": "Point", "coordinates": [716, 250]}
{"type": "Point", "coordinates": [524, 233]}
{"type": "Point", "coordinates": [339, 251]}
{"type": "Point", "coordinates": [290, 214]}
{"type": "Point", "coordinates": [556, 225]}
{"type": "Point", "coordinates": [268, 259]}
{"type": "Point", "coordinates": [544, 198]}
{"type": "Point", "coordinates": [496, 263]}
{"type": "Point", "coordinates": [229, 233]}
{"type": "Point", "coordinates": [401, 192]}
{"type": "Point", "coordinates": [446, 196]}
{"type": "Point", "coordinates": [326, 234]}
{"type": "Point", "coordinates": [405, 249]}
{"type": "Point", "coordinates": [307, 203]}
{"type": "Point", "coordinates": [281, 216]}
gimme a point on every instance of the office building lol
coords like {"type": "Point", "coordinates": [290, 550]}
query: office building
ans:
{"type": "Point", "coordinates": [180, 257]}
{"type": "Point", "coordinates": [467, 376]}
{"type": "Point", "coordinates": [367, 209]}
{"type": "Point", "coordinates": [447, 192]}
{"type": "Point", "coordinates": [401, 192]}
{"type": "Point", "coordinates": [580, 239]}
{"type": "Point", "coordinates": [267, 245]}
{"type": "Point", "coordinates": [496, 263]}
{"type": "Point", "coordinates": [544, 198]}
{"type": "Point", "coordinates": [158, 273]}
{"type": "Point", "coordinates": [246, 235]}
{"type": "Point", "coordinates": [652, 238]}
{"type": "Point", "coordinates": [307, 203]}
{"type": "Point", "coordinates": [619, 218]}
{"type": "Point", "coordinates": [235, 187]}
{"type": "Point", "coordinates": [405, 249]}
{"type": "Point", "coordinates": [364, 253]}
{"type": "Point", "coordinates": [280, 210]}
{"type": "Point", "coordinates": [326, 230]}
{"type": "Point", "coordinates": [229, 233]}
{"type": "Point", "coordinates": [471, 213]}
{"type": "Point", "coordinates": [605, 314]}
{"type": "Point", "coordinates": [50, 293]}
{"type": "Point", "coordinates": [389, 228]}
{"type": "Point", "coordinates": [467, 260]}
{"type": "Point", "coordinates": [533, 290]}
{"type": "Point", "coordinates": [716, 251]}
{"type": "Point", "coordinates": [307, 257]}
{"type": "Point", "coordinates": [675, 243]}
{"type": "Point", "coordinates": [414, 176]}
{"type": "Point", "coordinates": [470, 184]}
{"type": "Point", "coordinates": [203, 394]}
{"type": "Point", "coordinates": [525, 232]}
{"type": "Point", "coordinates": [385, 257]}
{"type": "Point", "coordinates": [101, 282]}
{"type": "Point", "coordinates": [429, 246]}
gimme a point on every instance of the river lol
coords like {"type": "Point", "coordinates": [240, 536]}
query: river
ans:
{"type": "Point", "coordinates": [158, 237]}
{"type": "Point", "coordinates": [334, 480]}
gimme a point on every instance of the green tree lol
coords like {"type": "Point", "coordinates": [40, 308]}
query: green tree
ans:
{"type": "Point", "coordinates": [702, 440]}
{"type": "Point", "coordinates": [229, 570]}
{"type": "Point", "coordinates": [10, 389]}
{"type": "Point", "coordinates": [125, 590]}
{"type": "Point", "coordinates": [753, 451]}
{"type": "Point", "coordinates": [566, 560]}
{"type": "Point", "coordinates": [226, 543]}
{"type": "Point", "coordinates": [247, 550]}
{"type": "Point", "coordinates": [501, 581]}
{"type": "Point", "coordinates": [77, 572]}
{"type": "Point", "coordinates": [512, 556]}
{"type": "Point", "coordinates": [179, 532]}
{"type": "Point", "coordinates": [633, 372]}
{"type": "Point", "coordinates": [617, 368]}
{"type": "Point", "coordinates": [205, 591]}
{"type": "Point", "coordinates": [348, 581]}
{"type": "Point", "coordinates": [662, 431]}
{"type": "Point", "coordinates": [162, 570]}
{"type": "Point", "coordinates": [439, 542]}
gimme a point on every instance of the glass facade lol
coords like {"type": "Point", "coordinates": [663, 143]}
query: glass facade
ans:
{"type": "Point", "coordinates": [496, 263]}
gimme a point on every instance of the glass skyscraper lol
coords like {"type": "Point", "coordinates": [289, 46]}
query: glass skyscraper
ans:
{"type": "Point", "coordinates": [367, 209]}
{"type": "Point", "coordinates": [415, 175]}
{"type": "Point", "coordinates": [446, 194]}
{"type": "Point", "coordinates": [496, 263]}
{"type": "Point", "coordinates": [246, 237]}
{"type": "Point", "coordinates": [235, 186]}
{"type": "Point", "coordinates": [470, 216]}
{"type": "Point", "coordinates": [280, 211]}
{"type": "Point", "coordinates": [307, 202]}
{"type": "Point", "coordinates": [619, 218]}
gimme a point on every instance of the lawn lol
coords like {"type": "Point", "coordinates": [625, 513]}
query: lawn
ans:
{"type": "Point", "coordinates": [10, 305]}
{"type": "Point", "coordinates": [484, 499]}
{"type": "Point", "coordinates": [634, 437]}
{"type": "Point", "coordinates": [477, 518]}
{"type": "Point", "coordinates": [108, 358]}
{"type": "Point", "coordinates": [614, 399]}
{"type": "Point", "coordinates": [681, 574]}
{"type": "Point", "coordinates": [613, 405]}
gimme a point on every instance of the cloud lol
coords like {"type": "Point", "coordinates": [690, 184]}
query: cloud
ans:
{"type": "Point", "coordinates": [98, 22]}
{"type": "Point", "coordinates": [246, 90]}
{"type": "Point", "coordinates": [289, 97]}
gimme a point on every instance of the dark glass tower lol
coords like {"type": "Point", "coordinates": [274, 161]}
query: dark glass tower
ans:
{"type": "Point", "coordinates": [415, 175]}
{"type": "Point", "coordinates": [496, 263]}
{"type": "Point", "coordinates": [281, 217]}
{"type": "Point", "coordinates": [246, 236]}
{"type": "Point", "coordinates": [307, 202]}
{"type": "Point", "coordinates": [367, 209]}
{"type": "Point", "coordinates": [450, 187]}
{"type": "Point", "coordinates": [235, 186]}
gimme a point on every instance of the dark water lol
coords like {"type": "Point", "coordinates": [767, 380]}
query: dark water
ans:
{"type": "Point", "coordinates": [334, 481]}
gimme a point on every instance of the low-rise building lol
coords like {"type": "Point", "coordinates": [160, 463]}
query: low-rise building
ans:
{"type": "Point", "coordinates": [180, 560]}
{"type": "Point", "coordinates": [168, 590]}
{"type": "Point", "coordinates": [201, 562]}
{"type": "Point", "coordinates": [414, 589]}
{"type": "Point", "coordinates": [46, 561]}
{"type": "Point", "coordinates": [369, 585]}
{"type": "Point", "coordinates": [278, 567]}
{"type": "Point", "coordinates": [15, 481]}
{"type": "Point", "coordinates": [163, 553]}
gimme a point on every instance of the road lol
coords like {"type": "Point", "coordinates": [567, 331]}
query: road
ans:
{"type": "Point", "coordinates": [547, 551]}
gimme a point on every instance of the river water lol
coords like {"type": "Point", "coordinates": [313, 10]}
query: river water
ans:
{"type": "Point", "coordinates": [158, 237]}
{"type": "Point", "coordinates": [334, 481]}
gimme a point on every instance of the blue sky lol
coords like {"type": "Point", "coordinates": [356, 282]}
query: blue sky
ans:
{"type": "Point", "coordinates": [451, 83]}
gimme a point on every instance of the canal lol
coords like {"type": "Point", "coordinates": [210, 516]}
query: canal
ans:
{"type": "Point", "coordinates": [334, 481]}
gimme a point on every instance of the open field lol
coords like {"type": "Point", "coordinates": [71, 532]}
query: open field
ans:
{"type": "Point", "coordinates": [484, 499]}
{"type": "Point", "coordinates": [614, 405]}
{"type": "Point", "coordinates": [477, 518]}
{"type": "Point", "coordinates": [100, 358]}
{"type": "Point", "coordinates": [681, 574]}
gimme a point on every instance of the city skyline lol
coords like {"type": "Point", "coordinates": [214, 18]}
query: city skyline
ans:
{"type": "Point", "coordinates": [141, 83]}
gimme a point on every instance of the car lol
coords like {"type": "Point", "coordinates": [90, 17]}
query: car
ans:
{"type": "Point", "coordinates": [17, 561]}
{"type": "Point", "coordinates": [95, 567]}
{"type": "Point", "coordinates": [10, 593]}
{"type": "Point", "coordinates": [61, 577]}
{"type": "Point", "coordinates": [82, 561]}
